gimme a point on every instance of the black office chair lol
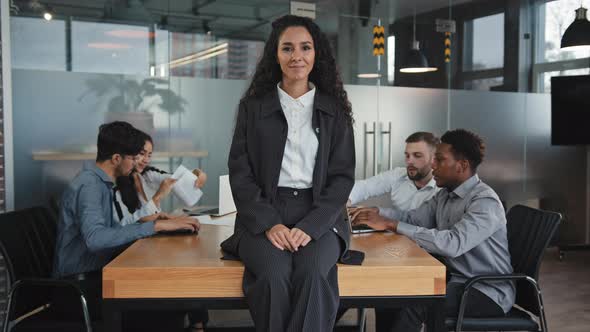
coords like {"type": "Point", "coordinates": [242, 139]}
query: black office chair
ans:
{"type": "Point", "coordinates": [529, 233]}
{"type": "Point", "coordinates": [54, 202]}
{"type": "Point", "coordinates": [3, 289]}
{"type": "Point", "coordinates": [27, 242]}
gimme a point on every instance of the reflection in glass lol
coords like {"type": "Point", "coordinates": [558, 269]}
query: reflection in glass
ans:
{"type": "Point", "coordinates": [556, 16]}
{"type": "Point", "coordinates": [203, 55]}
{"type": "Point", "coordinates": [38, 44]}
{"type": "Point", "coordinates": [390, 59]}
{"type": "Point", "coordinates": [484, 84]}
{"type": "Point", "coordinates": [484, 43]}
{"type": "Point", "coordinates": [110, 48]}
{"type": "Point", "coordinates": [546, 87]}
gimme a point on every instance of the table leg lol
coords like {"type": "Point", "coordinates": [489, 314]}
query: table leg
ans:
{"type": "Point", "coordinates": [362, 319]}
{"type": "Point", "coordinates": [111, 317]}
{"type": "Point", "coordinates": [435, 321]}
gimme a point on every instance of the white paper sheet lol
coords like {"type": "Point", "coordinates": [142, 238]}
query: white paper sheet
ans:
{"type": "Point", "coordinates": [184, 188]}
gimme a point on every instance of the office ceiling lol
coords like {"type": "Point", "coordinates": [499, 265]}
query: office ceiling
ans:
{"type": "Point", "coordinates": [247, 19]}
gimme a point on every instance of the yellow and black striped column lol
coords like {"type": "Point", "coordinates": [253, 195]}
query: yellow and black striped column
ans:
{"type": "Point", "coordinates": [447, 47]}
{"type": "Point", "coordinates": [378, 40]}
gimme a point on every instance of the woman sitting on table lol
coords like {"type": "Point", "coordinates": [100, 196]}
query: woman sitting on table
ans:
{"type": "Point", "coordinates": [138, 197]}
{"type": "Point", "coordinates": [291, 168]}
{"type": "Point", "coordinates": [139, 194]}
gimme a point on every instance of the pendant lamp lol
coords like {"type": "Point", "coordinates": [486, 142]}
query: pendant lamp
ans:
{"type": "Point", "coordinates": [415, 61]}
{"type": "Point", "coordinates": [577, 35]}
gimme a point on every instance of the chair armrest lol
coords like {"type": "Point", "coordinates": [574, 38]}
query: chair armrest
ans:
{"type": "Point", "coordinates": [497, 277]}
{"type": "Point", "coordinates": [46, 283]}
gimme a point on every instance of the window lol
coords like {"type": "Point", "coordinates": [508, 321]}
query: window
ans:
{"type": "Point", "coordinates": [546, 77]}
{"type": "Point", "coordinates": [390, 59]}
{"type": "Point", "coordinates": [202, 55]}
{"type": "Point", "coordinates": [110, 48]}
{"type": "Point", "coordinates": [129, 49]}
{"type": "Point", "coordinates": [485, 84]}
{"type": "Point", "coordinates": [484, 43]}
{"type": "Point", "coordinates": [483, 53]}
{"type": "Point", "coordinates": [38, 44]}
{"type": "Point", "coordinates": [554, 18]}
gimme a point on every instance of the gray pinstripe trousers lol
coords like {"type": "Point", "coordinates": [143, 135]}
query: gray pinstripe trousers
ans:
{"type": "Point", "coordinates": [291, 291]}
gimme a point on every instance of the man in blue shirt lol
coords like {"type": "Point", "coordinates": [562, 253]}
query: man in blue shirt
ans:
{"type": "Point", "coordinates": [88, 237]}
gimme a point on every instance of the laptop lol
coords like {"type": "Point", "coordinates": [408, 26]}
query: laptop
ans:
{"type": "Point", "coordinates": [226, 201]}
{"type": "Point", "coordinates": [360, 228]}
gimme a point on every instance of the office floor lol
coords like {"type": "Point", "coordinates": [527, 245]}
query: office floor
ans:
{"type": "Point", "coordinates": [566, 290]}
{"type": "Point", "coordinates": [565, 286]}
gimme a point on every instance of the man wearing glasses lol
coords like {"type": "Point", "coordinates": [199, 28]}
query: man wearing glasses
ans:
{"type": "Point", "coordinates": [88, 237]}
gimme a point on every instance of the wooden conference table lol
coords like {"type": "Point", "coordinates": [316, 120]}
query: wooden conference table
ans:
{"type": "Point", "coordinates": [185, 272]}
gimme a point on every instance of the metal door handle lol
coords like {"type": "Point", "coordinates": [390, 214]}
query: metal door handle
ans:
{"type": "Point", "coordinates": [366, 133]}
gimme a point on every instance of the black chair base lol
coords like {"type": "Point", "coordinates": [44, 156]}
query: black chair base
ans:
{"type": "Point", "coordinates": [49, 320]}
{"type": "Point", "coordinates": [515, 320]}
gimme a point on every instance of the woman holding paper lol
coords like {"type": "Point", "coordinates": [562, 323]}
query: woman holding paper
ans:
{"type": "Point", "coordinates": [139, 194]}
{"type": "Point", "coordinates": [291, 168]}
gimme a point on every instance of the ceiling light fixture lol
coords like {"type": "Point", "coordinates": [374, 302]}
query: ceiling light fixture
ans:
{"type": "Point", "coordinates": [200, 56]}
{"type": "Point", "coordinates": [369, 75]}
{"type": "Point", "coordinates": [577, 35]}
{"type": "Point", "coordinates": [48, 13]}
{"type": "Point", "coordinates": [415, 61]}
{"type": "Point", "coordinates": [206, 27]}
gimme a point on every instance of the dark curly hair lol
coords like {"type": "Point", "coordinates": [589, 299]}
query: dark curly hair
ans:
{"type": "Point", "coordinates": [465, 145]}
{"type": "Point", "coordinates": [324, 74]}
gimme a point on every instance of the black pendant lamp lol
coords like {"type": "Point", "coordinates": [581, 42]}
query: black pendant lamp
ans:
{"type": "Point", "coordinates": [415, 61]}
{"type": "Point", "coordinates": [578, 33]}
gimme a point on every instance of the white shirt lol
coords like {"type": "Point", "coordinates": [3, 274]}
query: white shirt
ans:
{"type": "Point", "coordinates": [150, 181]}
{"type": "Point", "coordinates": [404, 194]}
{"type": "Point", "coordinates": [147, 209]}
{"type": "Point", "coordinates": [302, 143]}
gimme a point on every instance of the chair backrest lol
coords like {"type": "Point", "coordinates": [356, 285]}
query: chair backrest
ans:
{"type": "Point", "coordinates": [3, 288]}
{"type": "Point", "coordinates": [529, 233]}
{"type": "Point", "coordinates": [28, 237]}
{"type": "Point", "coordinates": [27, 243]}
{"type": "Point", "coordinates": [54, 203]}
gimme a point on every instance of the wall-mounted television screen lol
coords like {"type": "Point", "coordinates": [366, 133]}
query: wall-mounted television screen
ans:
{"type": "Point", "coordinates": [570, 110]}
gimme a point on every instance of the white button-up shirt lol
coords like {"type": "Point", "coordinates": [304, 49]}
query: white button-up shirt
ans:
{"type": "Point", "coordinates": [302, 143]}
{"type": "Point", "coordinates": [150, 182]}
{"type": "Point", "coordinates": [404, 194]}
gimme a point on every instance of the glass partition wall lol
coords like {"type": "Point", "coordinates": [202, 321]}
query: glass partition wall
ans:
{"type": "Point", "coordinates": [177, 70]}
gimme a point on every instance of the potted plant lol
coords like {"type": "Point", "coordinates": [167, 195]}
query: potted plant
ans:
{"type": "Point", "coordinates": [133, 101]}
